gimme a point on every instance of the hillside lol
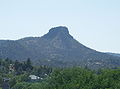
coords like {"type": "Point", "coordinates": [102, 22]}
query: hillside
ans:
{"type": "Point", "coordinates": [56, 48]}
{"type": "Point", "coordinates": [114, 54]}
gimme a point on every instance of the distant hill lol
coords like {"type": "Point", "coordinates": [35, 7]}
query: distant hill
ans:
{"type": "Point", "coordinates": [56, 48]}
{"type": "Point", "coordinates": [115, 54]}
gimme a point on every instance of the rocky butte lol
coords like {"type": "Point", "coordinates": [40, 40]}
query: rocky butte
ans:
{"type": "Point", "coordinates": [56, 48]}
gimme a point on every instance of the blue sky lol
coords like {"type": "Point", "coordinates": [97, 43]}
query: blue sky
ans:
{"type": "Point", "coordinates": [94, 23]}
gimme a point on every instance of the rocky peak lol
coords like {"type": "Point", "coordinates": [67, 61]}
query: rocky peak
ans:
{"type": "Point", "coordinates": [60, 31]}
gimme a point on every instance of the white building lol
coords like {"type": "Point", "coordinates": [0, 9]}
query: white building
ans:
{"type": "Point", "coordinates": [33, 77]}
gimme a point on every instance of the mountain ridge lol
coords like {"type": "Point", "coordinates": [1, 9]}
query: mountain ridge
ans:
{"type": "Point", "coordinates": [56, 48]}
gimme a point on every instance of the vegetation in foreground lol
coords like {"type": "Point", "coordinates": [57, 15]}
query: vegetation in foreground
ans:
{"type": "Point", "coordinates": [67, 78]}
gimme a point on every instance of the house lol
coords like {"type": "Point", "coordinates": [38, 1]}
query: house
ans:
{"type": "Point", "coordinates": [34, 77]}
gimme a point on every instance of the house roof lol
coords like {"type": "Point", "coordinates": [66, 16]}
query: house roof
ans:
{"type": "Point", "coordinates": [34, 77]}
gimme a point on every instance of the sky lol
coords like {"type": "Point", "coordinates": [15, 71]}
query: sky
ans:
{"type": "Point", "coordinates": [94, 23]}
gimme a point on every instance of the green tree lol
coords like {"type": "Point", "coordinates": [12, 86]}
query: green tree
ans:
{"type": "Point", "coordinates": [29, 64]}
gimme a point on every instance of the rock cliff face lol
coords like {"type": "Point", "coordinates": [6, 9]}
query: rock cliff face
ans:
{"type": "Point", "coordinates": [56, 48]}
